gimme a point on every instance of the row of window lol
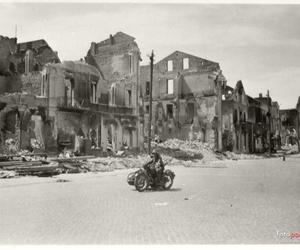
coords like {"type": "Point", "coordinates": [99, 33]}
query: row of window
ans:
{"type": "Point", "coordinates": [189, 114]}
{"type": "Point", "coordinates": [169, 87]}
{"type": "Point", "coordinates": [185, 64]}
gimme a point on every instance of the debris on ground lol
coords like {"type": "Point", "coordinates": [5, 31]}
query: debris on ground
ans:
{"type": "Point", "coordinates": [7, 174]}
{"type": "Point", "coordinates": [62, 180]}
{"type": "Point", "coordinates": [290, 149]}
{"type": "Point", "coordinates": [173, 151]}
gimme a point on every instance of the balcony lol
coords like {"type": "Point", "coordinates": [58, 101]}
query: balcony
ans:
{"type": "Point", "coordinates": [104, 108]}
{"type": "Point", "coordinates": [66, 105]}
{"type": "Point", "coordinates": [85, 105]}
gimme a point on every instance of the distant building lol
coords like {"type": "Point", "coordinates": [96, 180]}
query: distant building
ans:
{"type": "Point", "coordinates": [289, 125]}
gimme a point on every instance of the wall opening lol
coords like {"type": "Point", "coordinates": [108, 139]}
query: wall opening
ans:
{"type": "Point", "coordinates": [93, 92]}
{"type": "Point", "coordinates": [147, 89]}
{"type": "Point", "coordinates": [185, 63]}
{"type": "Point", "coordinates": [69, 92]}
{"type": "Point", "coordinates": [170, 111]}
{"type": "Point", "coordinates": [170, 65]}
{"type": "Point", "coordinates": [190, 112]}
{"type": "Point", "coordinates": [147, 110]}
{"type": "Point", "coordinates": [113, 95]}
{"type": "Point", "coordinates": [170, 86]}
{"type": "Point", "coordinates": [129, 96]}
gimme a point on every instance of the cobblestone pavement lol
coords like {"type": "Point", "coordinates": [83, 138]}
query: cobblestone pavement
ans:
{"type": "Point", "coordinates": [254, 201]}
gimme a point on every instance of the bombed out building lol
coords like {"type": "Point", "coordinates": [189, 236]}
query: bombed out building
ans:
{"type": "Point", "coordinates": [186, 98]}
{"type": "Point", "coordinates": [87, 106]}
{"type": "Point", "coordinates": [237, 129]}
{"type": "Point", "coordinates": [118, 61]}
{"type": "Point", "coordinates": [22, 110]}
{"type": "Point", "coordinates": [101, 103]}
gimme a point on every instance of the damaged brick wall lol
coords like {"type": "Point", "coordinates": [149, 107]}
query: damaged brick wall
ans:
{"type": "Point", "coordinates": [31, 83]}
{"type": "Point", "coordinates": [202, 126]}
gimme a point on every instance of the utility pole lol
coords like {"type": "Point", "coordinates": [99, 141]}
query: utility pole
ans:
{"type": "Point", "coordinates": [269, 111]}
{"type": "Point", "coordinates": [150, 102]}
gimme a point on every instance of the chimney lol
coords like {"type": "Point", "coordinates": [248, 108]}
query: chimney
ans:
{"type": "Point", "coordinates": [93, 48]}
{"type": "Point", "coordinates": [260, 95]}
{"type": "Point", "coordinates": [111, 39]}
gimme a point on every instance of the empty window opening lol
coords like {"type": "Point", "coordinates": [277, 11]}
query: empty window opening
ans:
{"type": "Point", "coordinates": [113, 95]}
{"type": "Point", "coordinates": [129, 98]}
{"type": "Point", "coordinates": [235, 114]}
{"type": "Point", "coordinates": [94, 92]}
{"type": "Point", "coordinates": [130, 64]}
{"type": "Point", "coordinates": [185, 63]}
{"type": "Point", "coordinates": [170, 86]}
{"type": "Point", "coordinates": [170, 111]}
{"type": "Point", "coordinates": [147, 109]}
{"type": "Point", "coordinates": [170, 65]}
{"type": "Point", "coordinates": [190, 112]}
{"type": "Point", "coordinates": [69, 88]}
{"type": "Point", "coordinates": [43, 87]}
{"type": "Point", "coordinates": [147, 88]}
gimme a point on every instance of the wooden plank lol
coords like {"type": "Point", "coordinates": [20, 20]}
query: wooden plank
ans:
{"type": "Point", "coordinates": [72, 159]}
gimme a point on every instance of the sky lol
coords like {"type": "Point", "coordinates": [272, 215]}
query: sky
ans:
{"type": "Point", "coordinates": [258, 44]}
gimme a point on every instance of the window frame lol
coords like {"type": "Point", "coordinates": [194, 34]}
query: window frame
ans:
{"type": "Point", "coordinates": [186, 59]}
{"type": "Point", "coordinates": [170, 66]}
{"type": "Point", "coordinates": [167, 88]}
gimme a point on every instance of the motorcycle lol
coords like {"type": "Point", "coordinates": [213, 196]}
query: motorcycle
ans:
{"type": "Point", "coordinates": [143, 179]}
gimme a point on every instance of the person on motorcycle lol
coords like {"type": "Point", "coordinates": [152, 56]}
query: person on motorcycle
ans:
{"type": "Point", "coordinates": [158, 166]}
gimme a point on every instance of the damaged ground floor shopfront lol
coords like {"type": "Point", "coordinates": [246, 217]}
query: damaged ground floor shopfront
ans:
{"type": "Point", "coordinates": [22, 123]}
{"type": "Point", "coordinates": [25, 124]}
{"type": "Point", "coordinates": [92, 132]}
{"type": "Point", "coordinates": [190, 118]}
{"type": "Point", "coordinates": [248, 137]}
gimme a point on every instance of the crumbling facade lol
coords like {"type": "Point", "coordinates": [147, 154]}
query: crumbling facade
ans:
{"type": "Point", "coordinates": [237, 129]}
{"type": "Point", "coordinates": [117, 59]}
{"type": "Point", "coordinates": [21, 106]}
{"type": "Point", "coordinates": [102, 103]}
{"type": "Point", "coordinates": [289, 126]}
{"type": "Point", "coordinates": [186, 98]}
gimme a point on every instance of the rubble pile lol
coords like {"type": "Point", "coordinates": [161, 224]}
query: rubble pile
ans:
{"type": "Point", "coordinates": [7, 174]}
{"type": "Point", "coordinates": [290, 149]}
{"type": "Point", "coordinates": [234, 156]}
{"type": "Point", "coordinates": [106, 164]}
{"type": "Point", "coordinates": [187, 150]}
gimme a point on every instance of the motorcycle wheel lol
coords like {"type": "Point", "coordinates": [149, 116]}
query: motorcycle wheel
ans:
{"type": "Point", "coordinates": [168, 181]}
{"type": "Point", "coordinates": [141, 182]}
{"type": "Point", "coordinates": [130, 178]}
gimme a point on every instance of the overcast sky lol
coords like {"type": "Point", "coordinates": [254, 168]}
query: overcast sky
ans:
{"type": "Point", "coordinates": [258, 44]}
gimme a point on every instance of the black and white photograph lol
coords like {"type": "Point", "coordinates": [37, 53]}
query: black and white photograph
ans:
{"type": "Point", "coordinates": [136, 123]}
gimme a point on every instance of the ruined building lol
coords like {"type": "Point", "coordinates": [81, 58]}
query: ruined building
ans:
{"type": "Point", "coordinates": [70, 89]}
{"type": "Point", "coordinates": [186, 98]}
{"type": "Point", "coordinates": [118, 61]}
{"type": "Point", "coordinates": [237, 128]}
{"type": "Point", "coordinates": [21, 106]}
